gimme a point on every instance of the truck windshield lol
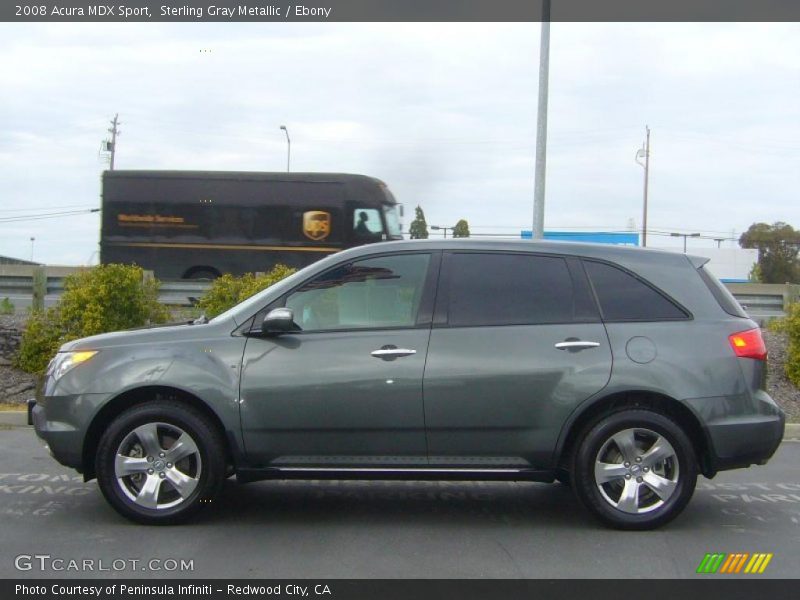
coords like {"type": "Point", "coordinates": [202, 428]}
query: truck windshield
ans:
{"type": "Point", "coordinates": [394, 229]}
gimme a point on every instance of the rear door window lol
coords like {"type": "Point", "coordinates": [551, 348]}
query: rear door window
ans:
{"type": "Point", "coordinates": [625, 297]}
{"type": "Point", "coordinates": [508, 289]}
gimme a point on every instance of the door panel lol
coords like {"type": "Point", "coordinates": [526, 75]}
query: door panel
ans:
{"type": "Point", "coordinates": [346, 388]}
{"type": "Point", "coordinates": [497, 389]}
{"type": "Point", "coordinates": [322, 399]}
{"type": "Point", "coordinates": [498, 396]}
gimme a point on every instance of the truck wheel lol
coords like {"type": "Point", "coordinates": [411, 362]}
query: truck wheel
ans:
{"type": "Point", "coordinates": [159, 462]}
{"type": "Point", "coordinates": [635, 469]}
{"type": "Point", "coordinates": [203, 274]}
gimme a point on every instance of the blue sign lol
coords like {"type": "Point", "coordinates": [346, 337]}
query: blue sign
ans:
{"type": "Point", "coordinates": [593, 237]}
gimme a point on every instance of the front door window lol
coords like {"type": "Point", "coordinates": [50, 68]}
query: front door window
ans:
{"type": "Point", "coordinates": [368, 294]}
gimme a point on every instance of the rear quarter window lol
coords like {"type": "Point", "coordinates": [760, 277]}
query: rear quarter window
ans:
{"type": "Point", "coordinates": [722, 295]}
{"type": "Point", "coordinates": [625, 297]}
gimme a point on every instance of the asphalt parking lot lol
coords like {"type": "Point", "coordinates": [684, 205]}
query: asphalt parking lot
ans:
{"type": "Point", "coordinates": [313, 529]}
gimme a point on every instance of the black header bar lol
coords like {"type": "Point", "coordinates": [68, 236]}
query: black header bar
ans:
{"type": "Point", "coordinates": [710, 588]}
{"type": "Point", "coordinates": [397, 10]}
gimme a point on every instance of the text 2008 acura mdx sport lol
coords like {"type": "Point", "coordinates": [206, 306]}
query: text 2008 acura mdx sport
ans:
{"type": "Point", "coordinates": [622, 372]}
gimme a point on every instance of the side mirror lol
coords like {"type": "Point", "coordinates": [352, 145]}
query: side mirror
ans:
{"type": "Point", "coordinates": [277, 321]}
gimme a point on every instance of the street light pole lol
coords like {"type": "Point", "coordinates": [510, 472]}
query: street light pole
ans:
{"type": "Point", "coordinates": [288, 148]}
{"type": "Point", "coordinates": [541, 124]}
{"type": "Point", "coordinates": [685, 236]}
{"type": "Point", "coordinates": [33, 241]}
{"type": "Point", "coordinates": [438, 228]}
{"type": "Point", "coordinates": [644, 152]}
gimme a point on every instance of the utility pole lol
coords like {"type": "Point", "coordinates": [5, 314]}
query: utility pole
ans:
{"type": "Point", "coordinates": [644, 152]}
{"type": "Point", "coordinates": [112, 145]}
{"type": "Point", "coordinates": [541, 124]}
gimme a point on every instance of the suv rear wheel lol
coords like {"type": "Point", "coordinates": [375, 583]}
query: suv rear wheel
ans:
{"type": "Point", "coordinates": [159, 462]}
{"type": "Point", "coordinates": [635, 469]}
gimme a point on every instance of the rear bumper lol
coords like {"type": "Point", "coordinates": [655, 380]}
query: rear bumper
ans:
{"type": "Point", "coordinates": [740, 431]}
{"type": "Point", "coordinates": [745, 443]}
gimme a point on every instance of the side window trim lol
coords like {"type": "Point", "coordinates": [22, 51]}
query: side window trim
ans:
{"type": "Point", "coordinates": [583, 291]}
{"type": "Point", "coordinates": [443, 291]}
{"type": "Point", "coordinates": [688, 316]}
{"type": "Point", "coordinates": [424, 312]}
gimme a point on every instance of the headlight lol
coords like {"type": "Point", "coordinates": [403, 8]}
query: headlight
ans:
{"type": "Point", "coordinates": [65, 361]}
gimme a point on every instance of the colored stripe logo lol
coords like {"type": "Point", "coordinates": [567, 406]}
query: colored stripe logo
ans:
{"type": "Point", "coordinates": [739, 562]}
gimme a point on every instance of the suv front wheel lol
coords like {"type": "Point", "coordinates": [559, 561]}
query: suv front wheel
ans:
{"type": "Point", "coordinates": [635, 469]}
{"type": "Point", "coordinates": [158, 462]}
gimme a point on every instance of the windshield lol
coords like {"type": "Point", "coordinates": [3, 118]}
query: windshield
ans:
{"type": "Point", "coordinates": [393, 226]}
{"type": "Point", "coordinates": [255, 301]}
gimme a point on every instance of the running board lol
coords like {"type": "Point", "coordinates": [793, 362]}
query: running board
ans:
{"type": "Point", "coordinates": [245, 475]}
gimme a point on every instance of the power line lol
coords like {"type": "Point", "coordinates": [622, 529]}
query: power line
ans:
{"type": "Point", "coordinates": [38, 217]}
{"type": "Point", "coordinates": [30, 208]}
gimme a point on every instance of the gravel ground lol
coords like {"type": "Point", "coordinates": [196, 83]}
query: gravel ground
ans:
{"type": "Point", "coordinates": [16, 386]}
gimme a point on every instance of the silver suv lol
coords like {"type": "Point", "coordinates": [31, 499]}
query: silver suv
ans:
{"type": "Point", "coordinates": [622, 372]}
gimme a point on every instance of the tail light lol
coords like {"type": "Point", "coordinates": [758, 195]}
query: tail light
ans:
{"type": "Point", "coordinates": [748, 344]}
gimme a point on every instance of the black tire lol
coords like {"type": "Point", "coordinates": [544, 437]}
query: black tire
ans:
{"type": "Point", "coordinates": [203, 274]}
{"type": "Point", "coordinates": [639, 506]}
{"type": "Point", "coordinates": [204, 468]}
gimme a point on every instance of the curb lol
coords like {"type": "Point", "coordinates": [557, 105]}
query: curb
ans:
{"type": "Point", "coordinates": [14, 418]}
{"type": "Point", "coordinates": [19, 418]}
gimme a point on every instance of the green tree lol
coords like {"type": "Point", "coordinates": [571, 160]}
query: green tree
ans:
{"type": "Point", "coordinates": [6, 307]}
{"type": "Point", "coordinates": [461, 230]}
{"type": "Point", "coordinates": [97, 300]}
{"type": "Point", "coordinates": [792, 328]}
{"type": "Point", "coordinates": [419, 227]}
{"type": "Point", "coordinates": [778, 247]}
{"type": "Point", "coordinates": [228, 291]}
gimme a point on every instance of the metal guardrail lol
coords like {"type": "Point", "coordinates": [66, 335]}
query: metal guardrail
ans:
{"type": "Point", "coordinates": [17, 283]}
{"type": "Point", "coordinates": [761, 301]}
{"type": "Point", "coordinates": [765, 301]}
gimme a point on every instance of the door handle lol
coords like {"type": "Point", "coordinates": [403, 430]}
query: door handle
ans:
{"type": "Point", "coordinates": [390, 353]}
{"type": "Point", "coordinates": [576, 345]}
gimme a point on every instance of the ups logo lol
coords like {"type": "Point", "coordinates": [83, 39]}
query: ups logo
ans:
{"type": "Point", "coordinates": [316, 224]}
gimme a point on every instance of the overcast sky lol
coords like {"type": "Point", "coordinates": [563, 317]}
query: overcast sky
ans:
{"type": "Point", "coordinates": [445, 114]}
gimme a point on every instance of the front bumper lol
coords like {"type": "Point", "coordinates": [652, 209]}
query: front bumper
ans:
{"type": "Point", "coordinates": [740, 431]}
{"type": "Point", "coordinates": [62, 422]}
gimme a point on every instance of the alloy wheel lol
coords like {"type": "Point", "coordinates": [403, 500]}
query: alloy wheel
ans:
{"type": "Point", "coordinates": [636, 470]}
{"type": "Point", "coordinates": [158, 465]}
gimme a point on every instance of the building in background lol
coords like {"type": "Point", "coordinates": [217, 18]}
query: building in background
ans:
{"type": "Point", "coordinates": [7, 260]}
{"type": "Point", "coordinates": [731, 265]}
{"type": "Point", "coordinates": [593, 237]}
